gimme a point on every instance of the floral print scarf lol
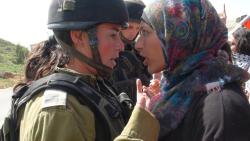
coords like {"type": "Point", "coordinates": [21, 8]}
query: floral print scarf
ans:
{"type": "Point", "coordinates": [191, 34]}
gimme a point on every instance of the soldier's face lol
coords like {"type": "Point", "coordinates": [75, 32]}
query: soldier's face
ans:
{"type": "Point", "coordinates": [149, 46]}
{"type": "Point", "coordinates": [131, 31]}
{"type": "Point", "coordinates": [109, 43]}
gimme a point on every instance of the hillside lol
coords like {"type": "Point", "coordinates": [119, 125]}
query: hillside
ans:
{"type": "Point", "coordinates": [11, 61]}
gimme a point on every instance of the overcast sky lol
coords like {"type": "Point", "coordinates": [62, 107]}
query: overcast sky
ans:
{"type": "Point", "coordinates": [24, 21]}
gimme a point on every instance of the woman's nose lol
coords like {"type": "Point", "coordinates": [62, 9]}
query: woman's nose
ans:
{"type": "Point", "coordinates": [138, 43]}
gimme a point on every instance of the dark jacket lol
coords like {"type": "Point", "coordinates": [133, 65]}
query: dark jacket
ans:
{"type": "Point", "coordinates": [219, 116]}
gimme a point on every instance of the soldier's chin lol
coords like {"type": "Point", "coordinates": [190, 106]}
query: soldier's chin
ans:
{"type": "Point", "coordinates": [113, 63]}
{"type": "Point", "coordinates": [150, 69]}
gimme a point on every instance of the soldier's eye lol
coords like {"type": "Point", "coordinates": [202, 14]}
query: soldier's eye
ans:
{"type": "Point", "coordinates": [114, 35]}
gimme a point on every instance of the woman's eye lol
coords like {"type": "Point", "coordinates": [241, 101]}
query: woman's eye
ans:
{"type": "Point", "coordinates": [144, 33]}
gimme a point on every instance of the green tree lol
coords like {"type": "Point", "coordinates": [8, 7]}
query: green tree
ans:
{"type": "Point", "coordinates": [21, 54]}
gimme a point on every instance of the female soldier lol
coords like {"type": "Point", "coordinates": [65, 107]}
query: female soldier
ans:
{"type": "Point", "coordinates": [75, 102]}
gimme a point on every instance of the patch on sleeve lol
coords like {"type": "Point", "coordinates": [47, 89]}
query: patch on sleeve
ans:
{"type": "Point", "coordinates": [247, 85]}
{"type": "Point", "coordinates": [213, 87]}
{"type": "Point", "coordinates": [54, 98]}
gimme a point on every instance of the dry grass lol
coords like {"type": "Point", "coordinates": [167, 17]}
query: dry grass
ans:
{"type": "Point", "coordinates": [6, 83]}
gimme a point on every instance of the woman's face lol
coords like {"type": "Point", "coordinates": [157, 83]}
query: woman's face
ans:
{"type": "Point", "coordinates": [149, 46]}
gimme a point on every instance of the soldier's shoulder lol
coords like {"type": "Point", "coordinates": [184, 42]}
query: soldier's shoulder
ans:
{"type": "Point", "coordinates": [53, 98]}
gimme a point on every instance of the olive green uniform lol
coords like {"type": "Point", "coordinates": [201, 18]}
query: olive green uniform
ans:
{"type": "Point", "coordinates": [64, 118]}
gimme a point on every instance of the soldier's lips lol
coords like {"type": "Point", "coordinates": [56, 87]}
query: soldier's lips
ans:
{"type": "Point", "coordinates": [145, 62]}
{"type": "Point", "coordinates": [113, 63]}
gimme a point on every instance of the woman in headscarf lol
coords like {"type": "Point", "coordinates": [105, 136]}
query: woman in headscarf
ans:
{"type": "Point", "coordinates": [200, 98]}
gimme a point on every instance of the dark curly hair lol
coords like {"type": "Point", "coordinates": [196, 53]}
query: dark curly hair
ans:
{"type": "Point", "coordinates": [242, 38]}
{"type": "Point", "coordinates": [43, 60]}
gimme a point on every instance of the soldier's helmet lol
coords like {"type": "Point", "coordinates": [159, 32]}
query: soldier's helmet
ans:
{"type": "Point", "coordinates": [135, 9]}
{"type": "Point", "coordinates": [83, 14]}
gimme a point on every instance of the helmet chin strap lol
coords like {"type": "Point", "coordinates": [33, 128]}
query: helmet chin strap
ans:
{"type": "Point", "coordinates": [102, 70]}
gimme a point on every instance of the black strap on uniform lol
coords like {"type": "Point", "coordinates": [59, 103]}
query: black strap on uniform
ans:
{"type": "Point", "coordinates": [102, 70]}
{"type": "Point", "coordinates": [109, 128]}
{"type": "Point", "coordinates": [7, 131]}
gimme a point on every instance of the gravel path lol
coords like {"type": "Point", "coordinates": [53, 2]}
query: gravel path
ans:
{"type": "Point", "coordinates": [5, 102]}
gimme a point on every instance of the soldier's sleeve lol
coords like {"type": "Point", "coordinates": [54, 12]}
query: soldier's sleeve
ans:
{"type": "Point", "coordinates": [69, 122]}
{"type": "Point", "coordinates": [142, 126]}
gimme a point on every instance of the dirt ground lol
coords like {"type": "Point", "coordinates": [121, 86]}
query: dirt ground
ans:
{"type": "Point", "coordinates": [10, 82]}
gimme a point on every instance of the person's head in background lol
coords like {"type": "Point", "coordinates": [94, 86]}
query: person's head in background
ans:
{"type": "Point", "coordinates": [171, 34]}
{"type": "Point", "coordinates": [135, 10]}
{"type": "Point", "coordinates": [240, 41]}
{"type": "Point", "coordinates": [90, 37]}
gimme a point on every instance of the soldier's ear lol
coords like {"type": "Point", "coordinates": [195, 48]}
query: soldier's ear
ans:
{"type": "Point", "coordinates": [79, 38]}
